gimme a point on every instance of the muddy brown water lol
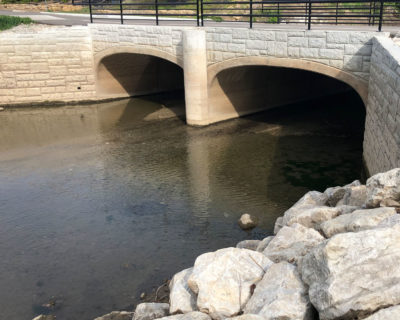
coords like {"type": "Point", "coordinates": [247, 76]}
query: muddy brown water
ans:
{"type": "Point", "coordinates": [99, 203]}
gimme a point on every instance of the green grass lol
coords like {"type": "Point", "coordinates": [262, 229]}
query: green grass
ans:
{"type": "Point", "coordinates": [8, 22]}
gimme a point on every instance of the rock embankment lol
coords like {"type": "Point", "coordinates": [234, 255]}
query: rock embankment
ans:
{"type": "Point", "coordinates": [334, 255]}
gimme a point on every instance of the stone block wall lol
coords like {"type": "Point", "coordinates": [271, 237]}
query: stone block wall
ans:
{"type": "Point", "coordinates": [46, 64]}
{"type": "Point", "coordinates": [163, 38]}
{"type": "Point", "coordinates": [349, 51]}
{"type": "Point", "coordinates": [382, 126]}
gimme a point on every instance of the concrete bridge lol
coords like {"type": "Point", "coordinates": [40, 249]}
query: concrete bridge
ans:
{"type": "Point", "coordinates": [225, 72]}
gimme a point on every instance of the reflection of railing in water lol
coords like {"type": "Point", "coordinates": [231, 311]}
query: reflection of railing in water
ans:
{"type": "Point", "coordinates": [309, 12]}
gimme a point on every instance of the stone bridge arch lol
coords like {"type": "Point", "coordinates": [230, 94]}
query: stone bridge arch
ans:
{"type": "Point", "coordinates": [125, 71]}
{"type": "Point", "coordinates": [239, 86]}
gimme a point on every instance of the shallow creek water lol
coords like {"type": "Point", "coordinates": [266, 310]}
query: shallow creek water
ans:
{"type": "Point", "coordinates": [99, 203]}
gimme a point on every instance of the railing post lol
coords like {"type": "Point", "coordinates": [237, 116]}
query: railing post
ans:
{"type": "Point", "coordinates": [90, 11]}
{"type": "Point", "coordinates": [251, 14]}
{"type": "Point", "coordinates": [156, 12]}
{"type": "Point", "coordinates": [279, 15]}
{"type": "Point", "coordinates": [309, 14]}
{"type": "Point", "coordinates": [121, 11]}
{"type": "Point", "coordinates": [198, 12]}
{"type": "Point", "coordinates": [201, 12]}
{"type": "Point", "coordinates": [337, 11]}
{"type": "Point", "coordinates": [380, 17]}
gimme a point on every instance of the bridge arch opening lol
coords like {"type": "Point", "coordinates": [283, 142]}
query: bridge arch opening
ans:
{"type": "Point", "coordinates": [248, 85]}
{"type": "Point", "coordinates": [134, 72]}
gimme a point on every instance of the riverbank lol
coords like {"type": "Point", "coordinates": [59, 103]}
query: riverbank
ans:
{"type": "Point", "coordinates": [334, 255]}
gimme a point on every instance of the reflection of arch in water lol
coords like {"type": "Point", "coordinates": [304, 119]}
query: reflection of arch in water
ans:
{"type": "Point", "coordinates": [249, 84]}
{"type": "Point", "coordinates": [132, 71]}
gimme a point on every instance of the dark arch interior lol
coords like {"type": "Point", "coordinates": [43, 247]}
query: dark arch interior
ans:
{"type": "Point", "coordinates": [129, 74]}
{"type": "Point", "coordinates": [248, 89]}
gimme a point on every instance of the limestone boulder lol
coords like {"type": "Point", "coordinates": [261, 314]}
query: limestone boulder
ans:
{"type": "Point", "coordinates": [194, 315]}
{"type": "Point", "coordinates": [354, 196]}
{"type": "Point", "coordinates": [278, 225]}
{"type": "Point", "coordinates": [308, 201]}
{"type": "Point", "coordinates": [358, 220]}
{"type": "Point", "coordinates": [383, 187]}
{"type": "Point", "coordinates": [248, 244]}
{"type": "Point", "coordinates": [291, 243]}
{"type": "Point", "coordinates": [391, 313]}
{"type": "Point", "coordinates": [390, 222]}
{"type": "Point", "coordinates": [354, 274]}
{"type": "Point", "coordinates": [181, 298]}
{"type": "Point", "coordinates": [281, 294]}
{"type": "Point", "coordinates": [150, 311]}
{"type": "Point", "coordinates": [264, 243]}
{"type": "Point", "coordinates": [335, 194]}
{"type": "Point", "coordinates": [247, 221]}
{"type": "Point", "coordinates": [248, 317]}
{"type": "Point", "coordinates": [311, 217]}
{"type": "Point", "coordinates": [116, 315]}
{"type": "Point", "coordinates": [45, 317]}
{"type": "Point", "coordinates": [223, 280]}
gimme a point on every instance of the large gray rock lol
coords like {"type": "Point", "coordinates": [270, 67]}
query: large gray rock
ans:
{"type": "Point", "coordinates": [195, 315]}
{"type": "Point", "coordinates": [356, 221]}
{"type": "Point", "coordinates": [353, 274]}
{"type": "Point", "coordinates": [150, 311]}
{"type": "Point", "coordinates": [116, 315]}
{"type": "Point", "coordinates": [291, 243]}
{"type": "Point", "coordinates": [45, 317]}
{"type": "Point", "coordinates": [248, 317]}
{"type": "Point", "coordinates": [248, 244]}
{"type": "Point", "coordinates": [280, 294]}
{"type": "Point", "coordinates": [392, 313]}
{"type": "Point", "coordinates": [354, 196]}
{"type": "Point", "coordinates": [309, 200]}
{"type": "Point", "coordinates": [335, 194]}
{"type": "Point", "coordinates": [181, 298]}
{"type": "Point", "coordinates": [311, 216]}
{"type": "Point", "coordinates": [383, 186]}
{"type": "Point", "coordinates": [278, 225]}
{"type": "Point", "coordinates": [223, 280]}
{"type": "Point", "coordinates": [264, 243]}
{"type": "Point", "coordinates": [390, 222]}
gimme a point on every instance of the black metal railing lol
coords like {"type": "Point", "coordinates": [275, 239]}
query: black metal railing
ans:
{"type": "Point", "coordinates": [308, 12]}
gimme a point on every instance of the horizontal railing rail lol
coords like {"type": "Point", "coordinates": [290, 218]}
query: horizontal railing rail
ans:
{"type": "Point", "coordinates": [308, 12]}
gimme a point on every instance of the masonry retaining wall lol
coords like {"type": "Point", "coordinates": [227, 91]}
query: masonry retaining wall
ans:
{"type": "Point", "coordinates": [382, 126]}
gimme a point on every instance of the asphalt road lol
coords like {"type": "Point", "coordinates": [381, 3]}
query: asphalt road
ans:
{"type": "Point", "coordinates": [69, 19]}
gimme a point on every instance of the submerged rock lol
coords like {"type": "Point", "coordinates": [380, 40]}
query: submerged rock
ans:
{"type": "Point", "coordinates": [280, 294]}
{"type": "Point", "coordinates": [356, 221]}
{"type": "Point", "coordinates": [182, 299]}
{"type": "Point", "coordinates": [291, 243]}
{"type": "Point", "coordinates": [247, 221]}
{"type": "Point", "coordinates": [195, 315]}
{"type": "Point", "coordinates": [248, 244]}
{"type": "Point", "coordinates": [223, 280]}
{"type": "Point", "coordinates": [383, 187]}
{"type": "Point", "coordinates": [354, 274]}
{"type": "Point", "coordinates": [150, 311]}
{"type": "Point", "coordinates": [392, 313]}
{"type": "Point", "coordinates": [117, 315]}
{"type": "Point", "coordinates": [264, 243]}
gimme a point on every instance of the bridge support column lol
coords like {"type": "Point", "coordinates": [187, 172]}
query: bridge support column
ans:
{"type": "Point", "coordinates": [195, 74]}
